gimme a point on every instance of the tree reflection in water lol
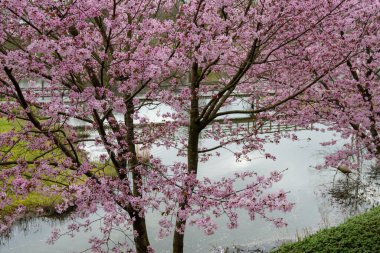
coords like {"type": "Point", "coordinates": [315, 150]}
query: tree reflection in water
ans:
{"type": "Point", "coordinates": [357, 191]}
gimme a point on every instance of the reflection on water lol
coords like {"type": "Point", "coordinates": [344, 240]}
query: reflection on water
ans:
{"type": "Point", "coordinates": [350, 195]}
{"type": "Point", "coordinates": [357, 191]}
{"type": "Point", "coordinates": [320, 201]}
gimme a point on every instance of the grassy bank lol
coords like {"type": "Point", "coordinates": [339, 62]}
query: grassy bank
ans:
{"type": "Point", "coordinates": [358, 234]}
{"type": "Point", "coordinates": [32, 201]}
{"type": "Point", "coordinates": [35, 201]}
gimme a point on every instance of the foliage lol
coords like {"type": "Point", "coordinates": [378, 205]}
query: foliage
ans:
{"type": "Point", "coordinates": [358, 234]}
{"type": "Point", "coordinates": [5, 125]}
{"type": "Point", "coordinates": [107, 64]}
{"type": "Point", "coordinates": [348, 102]}
{"type": "Point", "coordinates": [33, 202]}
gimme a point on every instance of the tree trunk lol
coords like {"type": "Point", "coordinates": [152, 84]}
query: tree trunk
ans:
{"type": "Point", "coordinates": [141, 239]}
{"type": "Point", "coordinates": [192, 158]}
{"type": "Point", "coordinates": [139, 225]}
{"type": "Point", "coordinates": [192, 161]}
{"type": "Point", "coordinates": [178, 237]}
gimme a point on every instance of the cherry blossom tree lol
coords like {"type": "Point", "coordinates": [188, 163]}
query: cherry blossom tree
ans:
{"type": "Point", "coordinates": [105, 63]}
{"type": "Point", "coordinates": [348, 100]}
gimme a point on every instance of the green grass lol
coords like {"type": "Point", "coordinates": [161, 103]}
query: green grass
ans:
{"type": "Point", "coordinates": [360, 234]}
{"type": "Point", "coordinates": [34, 201]}
{"type": "Point", "coordinates": [6, 125]}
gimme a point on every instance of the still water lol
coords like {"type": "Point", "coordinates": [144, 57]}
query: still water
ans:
{"type": "Point", "coordinates": [320, 202]}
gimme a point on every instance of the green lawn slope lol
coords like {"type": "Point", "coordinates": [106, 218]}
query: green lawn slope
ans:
{"type": "Point", "coordinates": [35, 201]}
{"type": "Point", "coordinates": [359, 234]}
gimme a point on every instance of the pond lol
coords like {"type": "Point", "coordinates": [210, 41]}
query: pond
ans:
{"type": "Point", "coordinates": [322, 199]}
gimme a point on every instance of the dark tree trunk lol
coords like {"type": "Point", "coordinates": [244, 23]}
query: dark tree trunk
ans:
{"type": "Point", "coordinates": [192, 161]}
{"type": "Point", "coordinates": [139, 225]}
{"type": "Point", "coordinates": [192, 157]}
{"type": "Point", "coordinates": [141, 240]}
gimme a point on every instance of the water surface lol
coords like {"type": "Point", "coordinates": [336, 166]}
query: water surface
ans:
{"type": "Point", "coordinates": [320, 202]}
